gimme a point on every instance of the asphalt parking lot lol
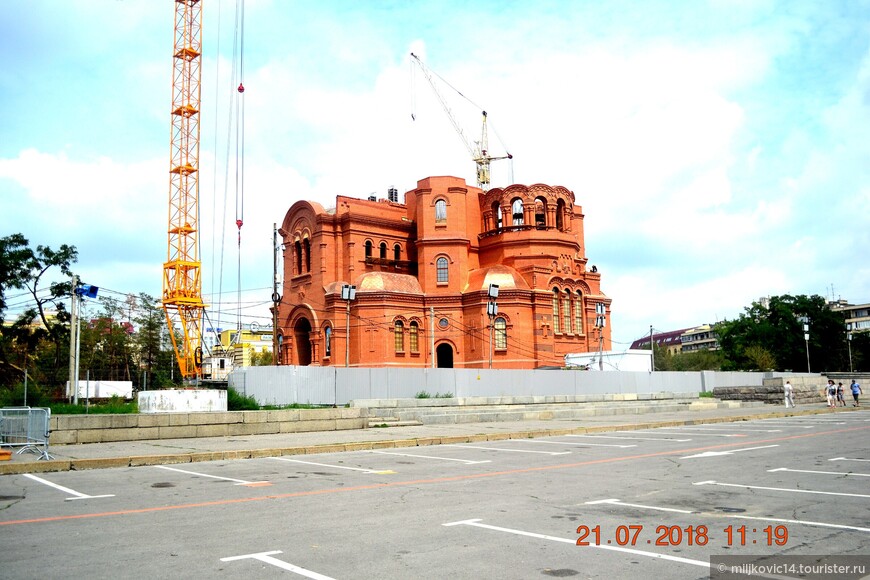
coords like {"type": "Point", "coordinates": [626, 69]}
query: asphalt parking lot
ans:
{"type": "Point", "coordinates": [657, 502]}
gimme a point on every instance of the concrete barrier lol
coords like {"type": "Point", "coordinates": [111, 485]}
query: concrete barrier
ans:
{"type": "Point", "coordinates": [74, 429]}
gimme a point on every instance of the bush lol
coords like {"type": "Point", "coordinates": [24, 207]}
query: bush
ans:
{"type": "Point", "coordinates": [113, 406]}
{"type": "Point", "coordinates": [238, 402]}
{"type": "Point", "coordinates": [14, 396]}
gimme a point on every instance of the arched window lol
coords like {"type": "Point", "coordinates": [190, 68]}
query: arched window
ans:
{"type": "Point", "coordinates": [556, 310]}
{"type": "Point", "coordinates": [566, 312]}
{"type": "Point", "coordinates": [440, 211]}
{"type": "Point", "coordinates": [500, 327]}
{"type": "Point", "coordinates": [397, 252]}
{"type": "Point", "coordinates": [540, 213]}
{"type": "Point", "coordinates": [441, 270]}
{"type": "Point", "coordinates": [578, 313]}
{"type": "Point", "coordinates": [496, 214]}
{"type": "Point", "coordinates": [560, 215]}
{"type": "Point", "coordinates": [297, 249]}
{"type": "Point", "coordinates": [368, 248]}
{"type": "Point", "coordinates": [399, 329]}
{"type": "Point", "coordinates": [306, 243]}
{"type": "Point", "coordinates": [383, 250]}
{"type": "Point", "coordinates": [327, 341]}
{"type": "Point", "coordinates": [414, 331]}
{"type": "Point", "coordinates": [517, 211]}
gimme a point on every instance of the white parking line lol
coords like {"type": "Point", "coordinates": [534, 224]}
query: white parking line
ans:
{"type": "Point", "coordinates": [65, 489]}
{"type": "Point", "coordinates": [465, 461]}
{"type": "Point", "coordinates": [779, 489]}
{"type": "Point", "coordinates": [819, 472]}
{"type": "Point", "coordinates": [695, 434]}
{"type": "Point", "coordinates": [570, 443]}
{"type": "Point", "coordinates": [721, 453]}
{"type": "Point", "coordinates": [639, 438]}
{"type": "Point", "coordinates": [238, 481]}
{"type": "Point", "coordinates": [649, 507]}
{"type": "Point", "coordinates": [700, 428]}
{"type": "Point", "coordinates": [476, 523]}
{"type": "Point", "coordinates": [267, 558]}
{"type": "Point", "coordinates": [333, 466]}
{"type": "Point", "coordinates": [847, 459]}
{"type": "Point", "coordinates": [464, 446]}
{"type": "Point", "coordinates": [737, 516]}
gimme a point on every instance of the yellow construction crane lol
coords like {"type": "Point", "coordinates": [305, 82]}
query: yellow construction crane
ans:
{"type": "Point", "coordinates": [480, 150]}
{"type": "Point", "coordinates": [182, 282]}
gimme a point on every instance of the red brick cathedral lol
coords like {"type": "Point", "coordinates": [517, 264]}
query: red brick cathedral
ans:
{"type": "Point", "coordinates": [423, 273]}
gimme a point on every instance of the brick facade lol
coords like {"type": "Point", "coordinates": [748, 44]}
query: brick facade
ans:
{"type": "Point", "coordinates": [422, 270]}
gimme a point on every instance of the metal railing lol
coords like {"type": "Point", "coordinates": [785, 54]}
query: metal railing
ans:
{"type": "Point", "coordinates": [27, 428]}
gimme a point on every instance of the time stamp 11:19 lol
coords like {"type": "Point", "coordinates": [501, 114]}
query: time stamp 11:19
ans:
{"type": "Point", "coordinates": [633, 535]}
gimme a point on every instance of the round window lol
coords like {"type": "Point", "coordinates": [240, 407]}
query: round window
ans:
{"type": "Point", "coordinates": [443, 323]}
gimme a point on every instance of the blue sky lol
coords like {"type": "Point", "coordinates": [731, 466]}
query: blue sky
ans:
{"type": "Point", "coordinates": [719, 149]}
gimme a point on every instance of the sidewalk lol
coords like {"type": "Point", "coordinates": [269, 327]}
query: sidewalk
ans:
{"type": "Point", "coordinates": [171, 451]}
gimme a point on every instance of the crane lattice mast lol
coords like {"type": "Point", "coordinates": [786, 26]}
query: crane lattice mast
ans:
{"type": "Point", "coordinates": [480, 150]}
{"type": "Point", "coordinates": [182, 282]}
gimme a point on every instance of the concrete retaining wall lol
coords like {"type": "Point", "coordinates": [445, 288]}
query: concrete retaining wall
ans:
{"type": "Point", "coordinates": [807, 389]}
{"type": "Point", "coordinates": [72, 429]}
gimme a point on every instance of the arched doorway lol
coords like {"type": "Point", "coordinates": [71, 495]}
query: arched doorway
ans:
{"type": "Point", "coordinates": [301, 333]}
{"type": "Point", "coordinates": [444, 356]}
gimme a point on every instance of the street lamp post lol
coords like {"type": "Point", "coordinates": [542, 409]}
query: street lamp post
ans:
{"type": "Point", "coordinates": [849, 343]}
{"type": "Point", "coordinates": [492, 312]}
{"type": "Point", "coordinates": [806, 323]}
{"type": "Point", "coordinates": [80, 291]}
{"type": "Point", "coordinates": [348, 294]}
{"type": "Point", "coordinates": [600, 323]}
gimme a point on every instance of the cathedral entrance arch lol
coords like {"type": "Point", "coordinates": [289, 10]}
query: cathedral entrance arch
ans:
{"type": "Point", "coordinates": [302, 338]}
{"type": "Point", "coordinates": [444, 356]}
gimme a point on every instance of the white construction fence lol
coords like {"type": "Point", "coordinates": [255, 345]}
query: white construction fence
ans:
{"type": "Point", "coordinates": [285, 385]}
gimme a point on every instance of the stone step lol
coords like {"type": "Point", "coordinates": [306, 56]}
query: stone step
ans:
{"type": "Point", "coordinates": [603, 408]}
{"type": "Point", "coordinates": [457, 415]}
{"type": "Point", "coordinates": [381, 422]}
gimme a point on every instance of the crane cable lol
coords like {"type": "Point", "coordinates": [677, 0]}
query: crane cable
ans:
{"type": "Point", "coordinates": [240, 150]}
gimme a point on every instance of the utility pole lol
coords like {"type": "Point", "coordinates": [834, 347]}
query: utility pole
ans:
{"type": "Point", "coordinates": [491, 311]}
{"type": "Point", "coordinates": [600, 323]}
{"type": "Point", "coordinates": [72, 337]}
{"type": "Point", "coordinates": [432, 333]}
{"type": "Point", "coordinates": [276, 298]}
{"type": "Point", "coordinates": [348, 294]}
{"type": "Point", "coordinates": [652, 349]}
{"type": "Point", "coordinates": [849, 343]}
{"type": "Point", "coordinates": [78, 346]}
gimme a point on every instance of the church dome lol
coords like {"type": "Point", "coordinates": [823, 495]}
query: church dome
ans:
{"type": "Point", "coordinates": [388, 282]}
{"type": "Point", "coordinates": [504, 276]}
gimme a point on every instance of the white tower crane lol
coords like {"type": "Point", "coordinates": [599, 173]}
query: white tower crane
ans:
{"type": "Point", "coordinates": [480, 150]}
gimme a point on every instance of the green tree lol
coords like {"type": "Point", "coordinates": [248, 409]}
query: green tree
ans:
{"type": "Point", "coordinates": [761, 358]}
{"type": "Point", "coordinates": [35, 340]}
{"type": "Point", "coordinates": [261, 358]}
{"type": "Point", "coordinates": [151, 336]}
{"type": "Point", "coordinates": [777, 329]}
{"type": "Point", "coordinates": [699, 360]}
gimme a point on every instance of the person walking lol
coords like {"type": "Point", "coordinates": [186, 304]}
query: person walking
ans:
{"type": "Point", "coordinates": [831, 393]}
{"type": "Point", "coordinates": [856, 390]}
{"type": "Point", "coordinates": [840, 398]}
{"type": "Point", "coordinates": [789, 395]}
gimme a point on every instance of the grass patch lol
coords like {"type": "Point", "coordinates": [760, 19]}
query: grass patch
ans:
{"type": "Point", "coordinates": [706, 395]}
{"type": "Point", "coordinates": [114, 406]}
{"type": "Point", "coordinates": [426, 395]}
